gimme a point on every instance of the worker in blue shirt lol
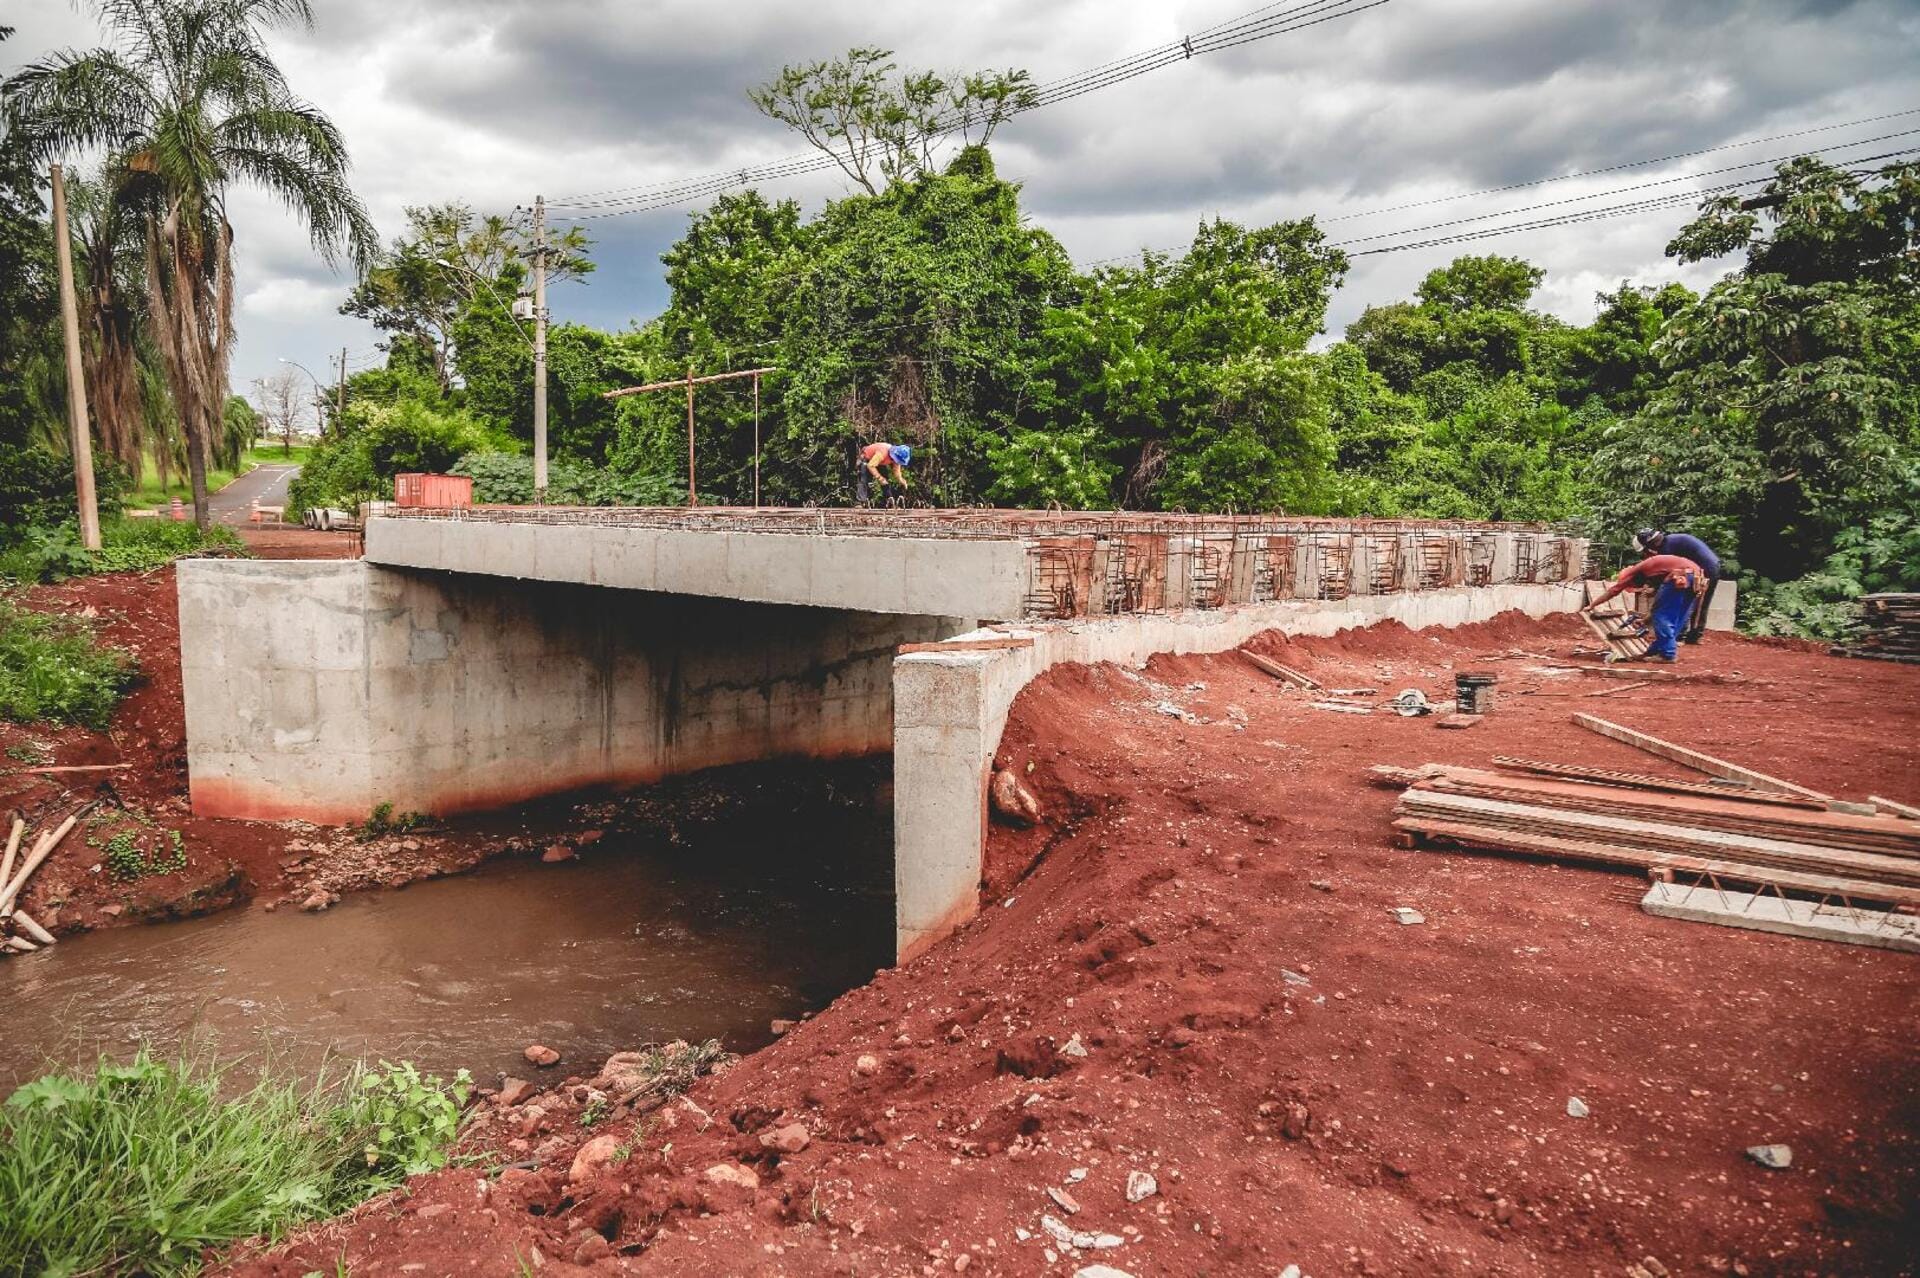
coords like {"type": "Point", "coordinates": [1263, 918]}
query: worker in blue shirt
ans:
{"type": "Point", "coordinates": [1654, 541]}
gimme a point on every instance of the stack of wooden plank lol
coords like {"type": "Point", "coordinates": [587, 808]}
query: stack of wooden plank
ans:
{"type": "Point", "coordinates": [1891, 628]}
{"type": "Point", "coordinates": [1774, 838]}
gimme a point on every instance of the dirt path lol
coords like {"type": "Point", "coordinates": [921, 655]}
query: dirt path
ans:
{"type": "Point", "coordinates": [1191, 972]}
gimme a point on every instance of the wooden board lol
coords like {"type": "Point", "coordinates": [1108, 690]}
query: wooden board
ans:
{"type": "Point", "coordinates": [1609, 854]}
{"type": "Point", "coordinates": [1692, 758]}
{"type": "Point", "coordinates": [1278, 671]}
{"type": "Point", "coordinates": [1887, 836]}
{"type": "Point", "coordinates": [1644, 781]}
{"type": "Point", "coordinates": [1657, 836]}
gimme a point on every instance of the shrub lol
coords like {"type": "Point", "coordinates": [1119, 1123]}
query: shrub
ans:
{"type": "Point", "coordinates": [126, 545]}
{"type": "Point", "coordinates": [52, 668]}
{"type": "Point", "coordinates": [140, 1167]}
{"type": "Point", "coordinates": [507, 479]}
{"type": "Point", "coordinates": [403, 437]}
{"type": "Point", "coordinates": [36, 489]}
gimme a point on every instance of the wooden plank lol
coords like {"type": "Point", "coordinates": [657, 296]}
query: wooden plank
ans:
{"type": "Point", "coordinates": [1692, 758]}
{"type": "Point", "coordinates": [1636, 672]}
{"type": "Point", "coordinates": [1279, 671]}
{"type": "Point", "coordinates": [1496, 840]}
{"type": "Point", "coordinates": [1816, 827]}
{"type": "Point", "coordinates": [1898, 809]}
{"type": "Point", "coordinates": [1645, 781]}
{"type": "Point", "coordinates": [1653, 834]}
{"type": "Point", "coordinates": [1619, 688]}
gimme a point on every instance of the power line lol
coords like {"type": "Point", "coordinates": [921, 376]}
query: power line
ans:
{"type": "Point", "coordinates": [1611, 168]}
{"type": "Point", "coordinates": [1245, 29]}
{"type": "Point", "coordinates": [1574, 217]}
{"type": "Point", "coordinates": [1623, 190]}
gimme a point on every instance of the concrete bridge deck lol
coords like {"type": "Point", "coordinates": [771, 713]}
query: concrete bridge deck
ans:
{"type": "Point", "coordinates": [995, 565]}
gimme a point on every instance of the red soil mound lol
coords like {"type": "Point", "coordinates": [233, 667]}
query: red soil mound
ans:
{"type": "Point", "coordinates": [1191, 972]}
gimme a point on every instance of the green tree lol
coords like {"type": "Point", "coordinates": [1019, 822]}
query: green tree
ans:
{"type": "Point", "coordinates": [1792, 387]}
{"type": "Point", "coordinates": [192, 102]}
{"type": "Point", "coordinates": [878, 131]}
{"type": "Point", "coordinates": [449, 257]}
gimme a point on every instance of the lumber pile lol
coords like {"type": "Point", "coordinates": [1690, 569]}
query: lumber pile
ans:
{"type": "Point", "coordinates": [19, 934]}
{"type": "Point", "coordinates": [1890, 628]}
{"type": "Point", "coordinates": [1778, 839]}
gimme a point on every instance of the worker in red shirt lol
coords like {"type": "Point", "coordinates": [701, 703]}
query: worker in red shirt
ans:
{"type": "Point", "coordinates": [877, 458]}
{"type": "Point", "coordinates": [1680, 582]}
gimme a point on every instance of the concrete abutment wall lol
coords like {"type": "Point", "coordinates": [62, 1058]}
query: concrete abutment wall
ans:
{"type": "Point", "coordinates": [316, 690]}
{"type": "Point", "coordinates": [950, 708]}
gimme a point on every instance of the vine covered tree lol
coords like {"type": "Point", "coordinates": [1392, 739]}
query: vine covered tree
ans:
{"type": "Point", "coordinates": [190, 103]}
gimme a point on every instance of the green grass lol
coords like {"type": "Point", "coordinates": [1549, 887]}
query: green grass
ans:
{"type": "Point", "coordinates": [53, 669]}
{"type": "Point", "coordinates": [149, 491]}
{"type": "Point", "coordinates": [271, 454]}
{"type": "Point", "coordinates": [140, 1167]}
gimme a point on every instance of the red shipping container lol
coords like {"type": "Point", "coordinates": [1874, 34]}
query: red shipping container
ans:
{"type": "Point", "coordinates": [432, 490]}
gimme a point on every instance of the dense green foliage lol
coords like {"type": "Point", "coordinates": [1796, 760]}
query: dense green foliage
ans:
{"type": "Point", "coordinates": [53, 669]}
{"type": "Point", "coordinates": [52, 552]}
{"type": "Point", "coordinates": [140, 1167]}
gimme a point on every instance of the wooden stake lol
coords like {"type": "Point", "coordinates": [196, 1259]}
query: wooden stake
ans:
{"type": "Point", "coordinates": [76, 767]}
{"type": "Point", "coordinates": [1693, 758]}
{"type": "Point", "coordinates": [41, 851]}
{"type": "Point", "coordinates": [32, 929]}
{"type": "Point", "coordinates": [13, 846]}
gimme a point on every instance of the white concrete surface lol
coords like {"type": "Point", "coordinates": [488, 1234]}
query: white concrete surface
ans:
{"type": "Point", "coordinates": [1758, 912]}
{"type": "Point", "coordinates": [317, 690]}
{"type": "Point", "coordinates": [914, 576]}
{"type": "Point", "coordinates": [950, 708]}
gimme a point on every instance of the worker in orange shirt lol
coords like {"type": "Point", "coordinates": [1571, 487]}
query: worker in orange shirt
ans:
{"type": "Point", "coordinates": [1681, 582]}
{"type": "Point", "coordinates": [875, 460]}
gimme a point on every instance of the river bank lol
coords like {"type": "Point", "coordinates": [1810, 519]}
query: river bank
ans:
{"type": "Point", "coordinates": [1186, 1035]}
{"type": "Point", "coordinates": [172, 864]}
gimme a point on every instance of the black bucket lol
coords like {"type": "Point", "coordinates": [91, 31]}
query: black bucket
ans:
{"type": "Point", "coordinates": [1473, 692]}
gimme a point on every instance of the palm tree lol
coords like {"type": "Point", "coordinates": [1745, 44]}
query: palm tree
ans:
{"type": "Point", "coordinates": [189, 103]}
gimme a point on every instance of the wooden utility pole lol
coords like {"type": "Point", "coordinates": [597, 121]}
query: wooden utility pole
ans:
{"type": "Point", "coordinates": [690, 381]}
{"type": "Point", "coordinates": [540, 350]}
{"type": "Point", "coordinates": [76, 373]}
{"type": "Point", "coordinates": [340, 399]}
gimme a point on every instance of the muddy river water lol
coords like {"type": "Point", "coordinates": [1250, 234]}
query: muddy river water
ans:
{"type": "Point", "coordinates": [634, 945]}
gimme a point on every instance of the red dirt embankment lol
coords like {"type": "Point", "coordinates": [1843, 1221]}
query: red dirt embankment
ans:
{"type": "Point", "coordinates": [1190, 971]}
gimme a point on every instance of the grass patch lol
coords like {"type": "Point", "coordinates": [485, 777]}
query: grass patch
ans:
{"type": "Point", "coordinates": [149, 491]}
{"type": "Point", "coordinates": [54, 669]}
{"type": "Point", "coordinates": [126, 545]}
{"type": "Point", "coordinates": [274, 455]}
{"type": "Point", "coordinates": [140, 1167]}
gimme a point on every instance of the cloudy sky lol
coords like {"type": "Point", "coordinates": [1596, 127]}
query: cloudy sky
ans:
{"type": "Point", "coordinates": [1410, 102]}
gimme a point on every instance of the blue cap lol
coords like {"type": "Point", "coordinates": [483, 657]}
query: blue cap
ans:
{"type": "Point", "coordinates": [901, 454]}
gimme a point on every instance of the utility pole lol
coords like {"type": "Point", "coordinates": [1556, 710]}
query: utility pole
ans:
{"type": "Point", "coordinates": [540, 350]}
{"type": "Point", "coordinates": [76, 373]}
{"type": "Point", "coordinates": [693, 496]}
{"type": "Point", "coordinates": [340, 400]}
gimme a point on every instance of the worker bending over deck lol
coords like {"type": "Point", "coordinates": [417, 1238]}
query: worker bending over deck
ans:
{"type": "Point", "coordinates": [877, 458]}
{"type": "Point", "coordinates": [1653, 541]}
{"type": "Point", "coordinates": [1680, 583]}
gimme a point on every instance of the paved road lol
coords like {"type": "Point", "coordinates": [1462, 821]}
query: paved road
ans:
{"type": "Point", "coordinates": [268, 483]}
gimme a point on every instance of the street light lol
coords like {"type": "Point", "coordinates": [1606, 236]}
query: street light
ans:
{"type": "Point", "coordinates": [319, 389]}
